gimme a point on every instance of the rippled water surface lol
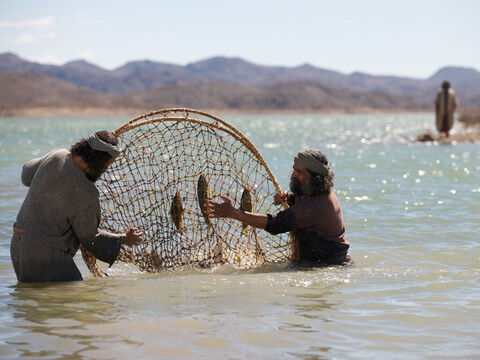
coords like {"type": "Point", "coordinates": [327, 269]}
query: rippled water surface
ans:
{"type": "Point", "coordinates": [412, 217]}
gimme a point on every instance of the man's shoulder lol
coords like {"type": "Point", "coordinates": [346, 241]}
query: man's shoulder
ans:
{"type": "Point", "coordinates": [83, 190]}
{"type": "Point", "coordinates": [57, 154]}
{"type": "Point", "coordinates": [323, 200]}
{"type": "Point", "coordinates": [321, 197]}
{"type": "Point", "coordinates": [306, 202]}
{"type": "Point", "coordinates": [71, 176]}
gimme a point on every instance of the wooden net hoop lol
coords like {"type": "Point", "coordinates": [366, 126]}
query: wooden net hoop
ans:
{"type": "Point", "coordinates": [165, 151]}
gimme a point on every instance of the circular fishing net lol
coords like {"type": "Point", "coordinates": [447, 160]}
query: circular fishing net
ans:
{"type": "Point", "coordinates": [172, 160]}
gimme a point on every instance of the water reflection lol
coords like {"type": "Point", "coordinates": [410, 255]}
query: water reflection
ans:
{"type": "Point", "coordinates": [313, 305]}
{"type": "Point", "coordinates": [312, 353]}
{"type": "Point", "coordinates": [43, 303]}
{"type": "Point", "coordinates": [313, 294]}
{"type": "Point", "coordinates": [315, 300]}
{"type": "Point", "coordinates": [54, 319]}
{"type": "Point", "coordinates": [411, 213]}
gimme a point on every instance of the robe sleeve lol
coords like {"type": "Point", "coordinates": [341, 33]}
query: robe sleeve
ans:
{"type": "Point", "coordinates": [290, 199]}
{"type": "Point", "coordinates": [85, 219]}
{"type": "Point", "coordinates": [275, 226]}
{"type": "Point", "coordinates": [300, 215]}
{"type": "Point", "coordinates": [291, 219]}
{"type": "Point", "coordinates": [29, 170]}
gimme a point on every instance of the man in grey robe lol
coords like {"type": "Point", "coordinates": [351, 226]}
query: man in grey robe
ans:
{"type": "Point", "coordinates": [445, 105]}
{"type": "Point", "coordinates": [62, 211]}
{"type": "Point", "coordinates": [314, 216]}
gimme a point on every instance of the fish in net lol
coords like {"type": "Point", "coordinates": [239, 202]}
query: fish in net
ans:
{"type": "Point", "coordinates": [173, 160]}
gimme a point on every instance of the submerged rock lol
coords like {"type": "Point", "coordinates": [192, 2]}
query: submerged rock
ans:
{"type": "Point", "coordinates": [426, 137]}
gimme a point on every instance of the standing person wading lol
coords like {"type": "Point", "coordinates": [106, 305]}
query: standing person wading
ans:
{"type": "Point", "coordinates": [445, 105]}
{"type": "Point", "coordinates": [314, 216]}
{"type": "Point", "coordinates": [62, 211]}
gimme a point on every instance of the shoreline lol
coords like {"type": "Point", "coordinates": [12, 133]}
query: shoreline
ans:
{"type": "Point", "coordinates": [134, 112]}
{"type": "Point", "coordinates": [42, 112]}
{"type": "Point", "coordinates": [464, 137]}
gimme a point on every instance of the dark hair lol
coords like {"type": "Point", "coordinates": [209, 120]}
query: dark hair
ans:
{"type": "Point", "coordinates": [96, 160]}
{"type": "Point", "coordinates": [445, 85]}
{"type": "Point", "coordinates": [321, 184]}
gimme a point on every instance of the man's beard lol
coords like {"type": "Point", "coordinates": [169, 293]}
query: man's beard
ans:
{"type": "Point", "coordinates": [299, 189]}
{"type": "Point", "coordinates": [93, 174]}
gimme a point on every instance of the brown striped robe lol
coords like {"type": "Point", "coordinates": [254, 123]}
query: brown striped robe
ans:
{"type": "Point", "coordinates": [445, 105]}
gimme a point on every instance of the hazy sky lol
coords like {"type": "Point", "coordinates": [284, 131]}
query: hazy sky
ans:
{"type": "Point", "coordinates": [406, 38]}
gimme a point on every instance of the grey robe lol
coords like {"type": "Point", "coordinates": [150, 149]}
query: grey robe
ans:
{"type": "Point", "coordinates": [60, 212]}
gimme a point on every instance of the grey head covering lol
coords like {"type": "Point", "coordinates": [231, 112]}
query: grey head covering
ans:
{"type": "Point", "coordinates": [98, 144]}
{"type": "Point", "coordinates": [313, 160]}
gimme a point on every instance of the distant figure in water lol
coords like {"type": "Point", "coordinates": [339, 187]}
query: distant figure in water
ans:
{"type": "Point", "coordinates": [445, 105]}
{"type": "Point", "coordinates": [62, 211]}
{"type": "Point", "coordinates": [314, 216]}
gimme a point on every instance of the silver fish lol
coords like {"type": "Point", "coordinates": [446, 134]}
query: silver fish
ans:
{"type": "Point", "coordinates": [202, 195]}
{"type": "Point", "coordinates": [246, 205]}
{"type": "Point", "coordinates": [177, 210]}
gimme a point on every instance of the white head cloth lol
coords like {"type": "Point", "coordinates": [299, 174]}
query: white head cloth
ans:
{"type": "Point", "coordinates": [310, 159]}
{"type": "Point", "coordinates": [98, 144]}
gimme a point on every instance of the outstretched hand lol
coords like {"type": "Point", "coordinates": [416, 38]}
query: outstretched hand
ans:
{"type": "Point", "coordinates": [226, 210]}
{"type": "Point", "coordinates": [219, 210]}
{"type": "Point", "coordinates": [132, 237]}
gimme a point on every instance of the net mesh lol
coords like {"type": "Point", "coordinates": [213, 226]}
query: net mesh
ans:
{"type": "Point", "coordinates": [165, 153]}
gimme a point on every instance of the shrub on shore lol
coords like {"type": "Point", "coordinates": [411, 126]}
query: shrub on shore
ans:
{"type": "Point", "coordinates": [470, 117]}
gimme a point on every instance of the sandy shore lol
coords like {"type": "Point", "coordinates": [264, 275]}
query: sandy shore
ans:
{"type": "Point", "coordinates": [465, 137]}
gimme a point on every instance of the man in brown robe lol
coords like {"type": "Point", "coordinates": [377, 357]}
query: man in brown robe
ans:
{"type": "Point", "coordinates": [314, 216]}
{"type": "Point", "coordinates": [445, 105]}
{"type": "Point", "coordinates": [62, 211]}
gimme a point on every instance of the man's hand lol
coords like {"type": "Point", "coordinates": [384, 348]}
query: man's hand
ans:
{"type": "Point", "coordinates": [226, 210]}
{"type": "Point", "coordinates": [132, 237]}
{"type": "Point", "coordinates": [280, 198]}
{"type": "Point", "coordinates": [220, 210]}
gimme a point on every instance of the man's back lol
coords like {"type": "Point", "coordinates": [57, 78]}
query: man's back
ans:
{"type": "Point", "coordinates": [56, 185]}
{"type": "Point", "coordinates": [317, 225]}
{"type": "Point", "coordinates": [321, 232]}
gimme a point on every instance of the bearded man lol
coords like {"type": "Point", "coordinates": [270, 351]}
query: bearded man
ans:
{"type": "Point", "coordinates": [314, 216]}
{"type": "Point", "coordinates": [62, 211]}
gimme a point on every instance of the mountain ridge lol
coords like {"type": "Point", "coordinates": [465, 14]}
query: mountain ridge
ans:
{"type": "Point", "coordinates": [278, 87]}
{"type": "Point", "coordinates": [27, 91]}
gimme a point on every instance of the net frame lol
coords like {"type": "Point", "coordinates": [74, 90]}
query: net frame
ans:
{"type": "Point", "coordinates": [165, 247]}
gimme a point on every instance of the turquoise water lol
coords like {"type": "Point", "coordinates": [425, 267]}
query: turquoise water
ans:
{"type": "Point", "coordinates": [411, 212]}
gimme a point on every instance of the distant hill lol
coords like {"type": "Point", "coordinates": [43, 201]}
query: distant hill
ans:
{"type": "Point", "coordinates": [456, 74]}
{"type": "Point", "coordinates": [465, 81]}
{"type": "Point", "coordinates": [31, 89]}
{"type": "Point", "coordinates": [219, 83]}
{"type": "Point", "coordinates": [299, 95]}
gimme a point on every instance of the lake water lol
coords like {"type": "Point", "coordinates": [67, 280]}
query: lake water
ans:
{"type": "Point", "coordinates": [412, 218]}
